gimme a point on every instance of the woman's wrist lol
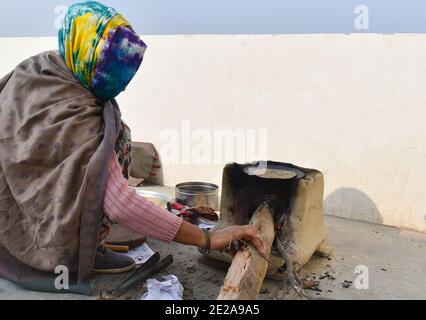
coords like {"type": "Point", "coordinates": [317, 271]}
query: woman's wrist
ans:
{"type": "Point", "coordinates": [202, 240]}
{"type": "Point", "coordinates": [191, 235]}
{"type": "Point", "coordinates": [206, 240]}
{"type": "Point", "coordinates": [207, 243]}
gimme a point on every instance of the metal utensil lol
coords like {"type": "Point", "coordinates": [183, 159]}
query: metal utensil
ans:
{"type": "Point", "coordinates": [147, 270]}
{"type": "Point", "coordinates": [194, 194]}
{"type": "Point", "coordinates": [161, 199]}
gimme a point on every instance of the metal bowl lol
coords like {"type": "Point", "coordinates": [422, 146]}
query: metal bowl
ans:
{"type": "Point", "coordinates": [158, 198]}
{"type": "Point", "coordinates": [193, 194]}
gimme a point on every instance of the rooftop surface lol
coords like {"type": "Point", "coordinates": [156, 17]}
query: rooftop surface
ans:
{"type": "Point", "coordinates": [395, 259]}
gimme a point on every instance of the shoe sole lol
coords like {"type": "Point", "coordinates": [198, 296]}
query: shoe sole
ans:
{"type": "Point", "coordinates": [116, 271]}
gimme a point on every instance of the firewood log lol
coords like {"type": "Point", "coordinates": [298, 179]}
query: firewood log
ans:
{"type": "Point", "coordinates": [248, 270]}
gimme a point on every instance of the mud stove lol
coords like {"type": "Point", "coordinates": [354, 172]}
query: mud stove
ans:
{"type": "Point", "coordinates": [295, 196]}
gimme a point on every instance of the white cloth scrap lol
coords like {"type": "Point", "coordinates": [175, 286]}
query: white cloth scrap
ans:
{"type": "Point", "coordinates": [169, 289]}
{"type": "Point", "coordinates": [206, 226]}
{"type": "Point", "coordinates": [204, 223]}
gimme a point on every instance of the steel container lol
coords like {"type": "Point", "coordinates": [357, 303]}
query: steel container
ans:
{"type": "Point", "coordinates": [193, 194]}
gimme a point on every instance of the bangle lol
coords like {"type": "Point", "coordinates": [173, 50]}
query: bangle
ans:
{"type": "Point", "coordinates": [207, 249]}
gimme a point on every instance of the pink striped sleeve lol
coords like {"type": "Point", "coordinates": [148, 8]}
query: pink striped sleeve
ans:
{"type": "Point", "coordinates": [122, 205]}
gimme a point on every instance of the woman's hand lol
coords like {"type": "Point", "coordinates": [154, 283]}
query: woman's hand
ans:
{"type": "Point", "coordinates": [222, 239]}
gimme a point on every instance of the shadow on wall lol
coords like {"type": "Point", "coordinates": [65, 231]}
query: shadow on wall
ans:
{"type": "Point", "coordinates": [353, 204]}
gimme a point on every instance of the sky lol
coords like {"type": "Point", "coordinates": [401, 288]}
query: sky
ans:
{"type": "Point", "coordinates": [24, 18]}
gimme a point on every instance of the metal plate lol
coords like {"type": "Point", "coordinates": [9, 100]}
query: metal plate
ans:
{"type": "Point", "coordinates": [274, 170]}
{"type": "Point", "coordinates": [121, 236]}
{"type": "Point", "coordinates": [158, 198]}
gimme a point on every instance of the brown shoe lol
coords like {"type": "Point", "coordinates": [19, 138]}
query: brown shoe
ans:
{"type": "Point", "coordinates": [110, 262]}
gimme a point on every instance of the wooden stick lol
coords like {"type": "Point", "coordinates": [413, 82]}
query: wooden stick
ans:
{"type": "Point", "coordinates": [123, 249]}
{"type": "Point", "coordinates": [248, 270]}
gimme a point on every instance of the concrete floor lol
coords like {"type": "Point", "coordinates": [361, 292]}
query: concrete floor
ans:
{"type": "Point", "coordinates": [396, 261]}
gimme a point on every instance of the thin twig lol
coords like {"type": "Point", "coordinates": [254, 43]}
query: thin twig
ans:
{"type": "Point", "coordinates": [291, 277]}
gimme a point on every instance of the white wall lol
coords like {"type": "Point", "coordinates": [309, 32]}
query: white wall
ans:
{"type": "Point", "coordinates": [352, 106]}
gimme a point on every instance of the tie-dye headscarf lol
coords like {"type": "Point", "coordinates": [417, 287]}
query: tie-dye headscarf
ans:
{"type": "Point", "coordinates": [100, 48]}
